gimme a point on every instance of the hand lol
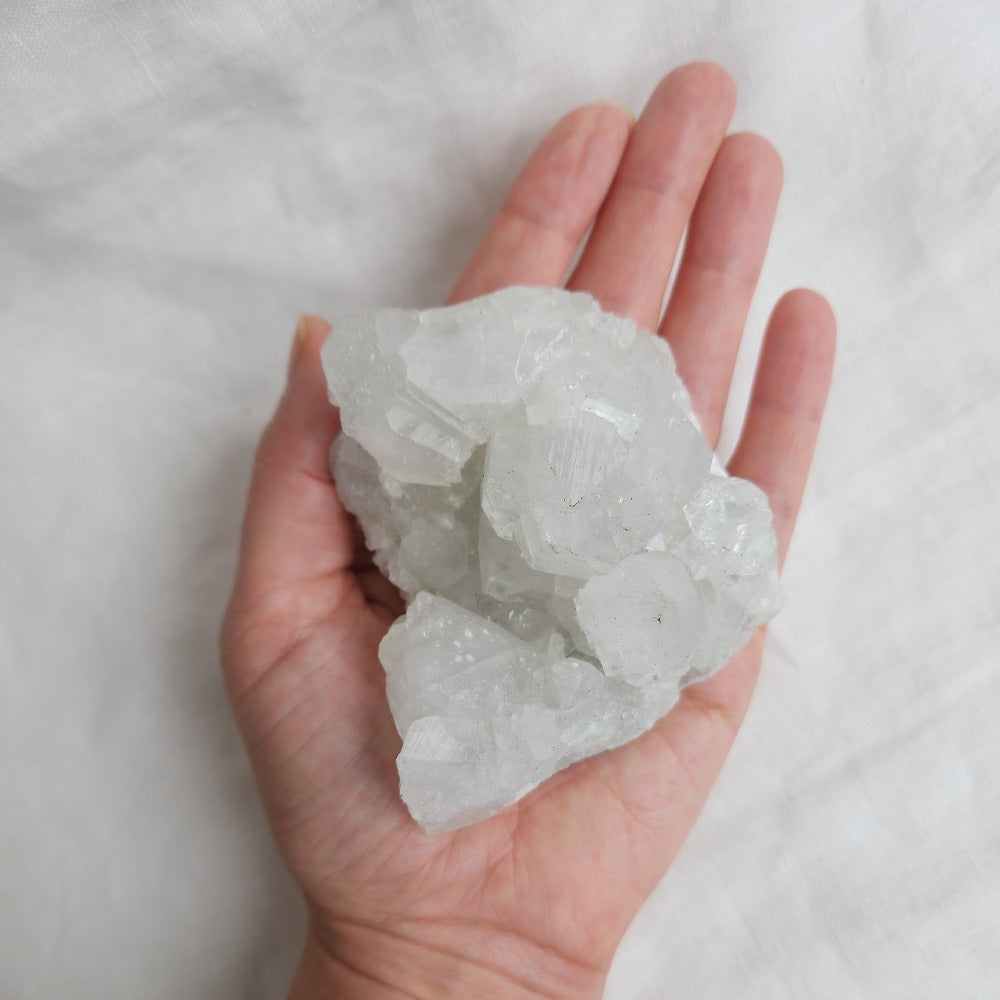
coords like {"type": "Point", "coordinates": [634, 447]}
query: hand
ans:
{"type": "Point", "coordinates": [535, 900]}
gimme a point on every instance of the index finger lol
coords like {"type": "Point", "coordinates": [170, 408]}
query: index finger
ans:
{"type": "Point", "coordinates": [628, 257]}
{"type": "Point", "coordinates": [551, 204]}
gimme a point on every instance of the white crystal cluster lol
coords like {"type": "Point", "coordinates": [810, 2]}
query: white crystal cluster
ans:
{"type": "Point", "coordinates": [527, 470]}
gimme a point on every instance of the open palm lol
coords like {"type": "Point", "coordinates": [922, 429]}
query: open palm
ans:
{"type": "Point", "coordinates": [535, 900]}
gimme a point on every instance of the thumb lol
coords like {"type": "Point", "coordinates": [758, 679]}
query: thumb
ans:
{"type": "Point", "coordinates": [296, 534]}
{"type": "Point", "coordinates": [305, 422]}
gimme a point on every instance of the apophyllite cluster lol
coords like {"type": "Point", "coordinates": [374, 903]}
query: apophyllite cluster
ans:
{"type": "Point", "coordinates": [527, 470]}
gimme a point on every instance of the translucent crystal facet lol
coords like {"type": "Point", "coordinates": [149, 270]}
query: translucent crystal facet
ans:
{"type": "Point", "coordinates": [527, 470]}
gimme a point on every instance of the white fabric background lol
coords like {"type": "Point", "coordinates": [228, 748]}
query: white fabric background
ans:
{"type": "Point", "coordinates": [178, 180]}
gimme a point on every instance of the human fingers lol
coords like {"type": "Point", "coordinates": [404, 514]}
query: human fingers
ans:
{"type": "Point", "coordinates": [628, 257]}
{"type": "Point", "coordinates": [775, 452]}
{"type": "Point", "coordinates": [776, 446]}
{"type": "Point", "coordinates": [658, 783]}
{"type": "Point", "coordinates": [723, 255]}
{"type": "Point", "coordinates": [551, 204]}
{"type": "Point", "coordinates": [294, 528]}
{"type": "Point", "coordinates": [672, 768]}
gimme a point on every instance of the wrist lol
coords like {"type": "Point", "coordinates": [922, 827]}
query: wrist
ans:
{"type": "Point", "coordinates": [350, 961]}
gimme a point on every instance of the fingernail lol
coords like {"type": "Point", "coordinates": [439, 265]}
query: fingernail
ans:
{"type": "Point", "coordinates": [301, 332]}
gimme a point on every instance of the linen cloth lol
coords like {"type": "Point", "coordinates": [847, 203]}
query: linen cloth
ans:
{"type": "Point", "coordinates": [179, 180]}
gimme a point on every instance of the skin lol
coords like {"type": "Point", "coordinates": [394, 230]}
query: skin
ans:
{"type": "Point", "coordinates": [534, 901]}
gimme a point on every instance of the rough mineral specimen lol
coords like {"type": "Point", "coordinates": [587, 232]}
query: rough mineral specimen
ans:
{"type": "Point", "coordinates": [527, 470]}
